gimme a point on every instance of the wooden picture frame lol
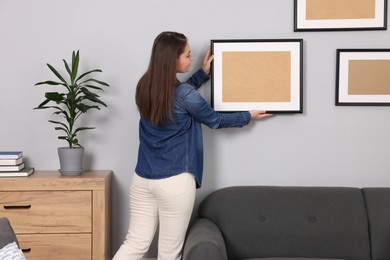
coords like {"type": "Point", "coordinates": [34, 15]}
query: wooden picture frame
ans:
{"type": "Point", "coordinates": [362, 77]}
{"type": "Point", "coordinates": [342, 15]}
{"type": "Point", "coordinates": [257, 75]}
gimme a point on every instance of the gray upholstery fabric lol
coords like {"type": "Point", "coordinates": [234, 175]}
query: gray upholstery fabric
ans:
{"type": "Point", "coordinates": [7, 234]}
{"type": "Point", "coordinates": [204, 241]}
{"type": "Point", "coordinates": [378, 210]}
{"type": "Point", "coordinates": [311, 222]}
{"type": "Point", "coordinates": [294, 258]}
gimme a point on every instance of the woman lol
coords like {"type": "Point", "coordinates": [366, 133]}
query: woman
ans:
{"type": "Point", "coordinates": [170, 155]}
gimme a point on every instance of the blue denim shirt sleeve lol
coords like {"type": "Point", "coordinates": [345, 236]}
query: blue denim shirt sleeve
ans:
{"type": "Point", "coordinates": [198, 78]}
{"type": "Point", "coordinates": [198, 107]}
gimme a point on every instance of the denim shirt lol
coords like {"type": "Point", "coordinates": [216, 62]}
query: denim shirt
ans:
{"type": "Point", "coordinates": [170, 149]}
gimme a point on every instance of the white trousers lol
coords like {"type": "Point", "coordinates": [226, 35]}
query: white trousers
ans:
{"type": "Point", "coordinates": [167, 202]}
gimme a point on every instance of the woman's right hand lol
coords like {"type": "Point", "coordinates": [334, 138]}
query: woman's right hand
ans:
{"type": "Point", "coordinates": [259, 114]}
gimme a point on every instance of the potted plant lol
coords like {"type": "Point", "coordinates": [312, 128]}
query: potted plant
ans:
{"type": "Point", "coordinates": [77, 98]}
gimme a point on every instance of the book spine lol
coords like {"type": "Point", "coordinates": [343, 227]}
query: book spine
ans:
{"type": "Point", "coordinates": [10, 155]}
{"type": "Point", "coordinates": [4, 162]}
{"type": "Point", "coordinates": [12, 168]}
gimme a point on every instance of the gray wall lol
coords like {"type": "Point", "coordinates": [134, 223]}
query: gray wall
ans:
{"type": "Point", "coordinates": [326, 145]}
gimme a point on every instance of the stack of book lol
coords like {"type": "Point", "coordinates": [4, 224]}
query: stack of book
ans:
{"type": "Point", "coordinates": [12, 165]}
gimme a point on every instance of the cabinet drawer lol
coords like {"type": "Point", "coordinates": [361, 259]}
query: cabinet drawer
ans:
{"type": "Point", "coordinates": [48, 211]}
{"type": "Point", "coordinates": [56, 246]}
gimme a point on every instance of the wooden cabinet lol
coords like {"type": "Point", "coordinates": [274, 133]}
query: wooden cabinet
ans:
{"type": "Point", "coordinates": [60, 217]}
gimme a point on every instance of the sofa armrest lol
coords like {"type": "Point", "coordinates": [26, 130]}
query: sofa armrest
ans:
{"type": "Point", "coordinates": [204, 241]}
{"type": "Point", "coordinates": [378, 210]}
{"type": "Point", "coordinates": [7, 234]}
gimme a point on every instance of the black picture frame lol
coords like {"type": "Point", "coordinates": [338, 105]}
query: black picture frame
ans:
{"type": "Point", "coordinates": [362, 77]}
{"type": "Point", "coordinates": [257, 74]}
{"type": "Point", "coordinates": [323, 15]}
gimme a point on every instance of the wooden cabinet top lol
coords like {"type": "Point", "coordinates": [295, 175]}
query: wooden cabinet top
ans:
{"type": "Point", "coordinates": [53, 180]}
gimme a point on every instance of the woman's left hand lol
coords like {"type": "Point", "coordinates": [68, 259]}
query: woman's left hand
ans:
{"type": "Point", "coordinates": [208, 58]}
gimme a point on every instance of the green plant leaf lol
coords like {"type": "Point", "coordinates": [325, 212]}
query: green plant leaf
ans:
{"type": "Point", "coordinates": [96, 107]}
{"type": "Point", "coordinates": [60, 123]}
{"type": "Point", "coordinates": [57, 74]}
{"type": "Point", "coordinates": [94, 99]}
{"type": "Point", "coordinates": [75, 66]}
{"type": "Point", "coordinates": [42, 105]}
{"type": "Point", "coordinates": [93, 87]}
{"type": "Point", "coordinates": [49, 82]}
{"type": "Point", "coordinates": [54, 107]}
{"type": "Point", "coordinates": [65, 115]}
{"type": "Point", "coordinates": [67, 67]}
{"type": "Point", "coordinates": [62, 129]}
{"type": "Point", "coordinates": [86, 73]}
{"type": "Point", "coordinates": [95, 80]}
{"type": "Point", "coordinates": [97, 100]}
{"type": "Point", "coordinates": [55, 96]}
{"type": "Point", "coordinates": [87, 92]}
{"type": "Point", "coordinates": [82, 107]}
{"type": "Point", "coordinates": [60, 111]}
{"type": "Point", "coordinates": [83, 129]}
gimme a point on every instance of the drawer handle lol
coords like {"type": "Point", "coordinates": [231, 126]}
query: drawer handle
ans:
{"type": "Point", "coordinates": [17, 207]}
{"type": "Point", "coordinates": [26, 250]}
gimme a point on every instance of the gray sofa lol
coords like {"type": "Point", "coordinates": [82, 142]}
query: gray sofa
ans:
{"type": "Point", "coordinates": [7, 234]}
{"type": "Point", "coordinates": [291, 223]}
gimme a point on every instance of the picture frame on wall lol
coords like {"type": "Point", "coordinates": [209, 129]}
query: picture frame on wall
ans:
{"type": "Point", "coordinates": [343, 15]}
{"type": "Point", "coordinates": [362, 77]}
{"type": "Point", "coordinates": [260, 74]}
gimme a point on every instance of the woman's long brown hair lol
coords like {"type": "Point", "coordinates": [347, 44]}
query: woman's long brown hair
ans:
{"type": "Point", "coordinates": [156, 88]}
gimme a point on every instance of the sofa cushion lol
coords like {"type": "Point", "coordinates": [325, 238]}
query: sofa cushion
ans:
{"type": "Point", "coordinates": [11, 251]}
{"type": "Point", "coordinates": [294, 258]}
{"type": "Point", "coordinates": [311, 222]}
{"type": "Point", "coordinates": [7, 234]}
